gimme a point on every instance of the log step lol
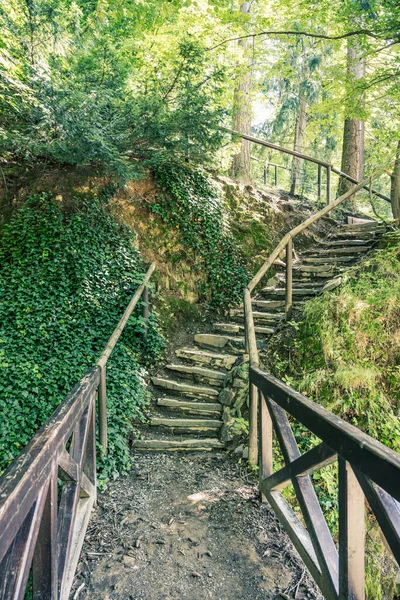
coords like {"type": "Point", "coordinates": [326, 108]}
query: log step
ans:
{"type": "Point", "coordinates": [214, 360]}
{"type": "Point", "coordinates": [185, 388]}
{"type": "Point", "coordinates": [195, 408]}
{"type": "Point", "coordinates": [183, 445]}
{"type": "Point", "coordinates": [199, 374]}
{"type": "Point", "coordinates": [187, 424]}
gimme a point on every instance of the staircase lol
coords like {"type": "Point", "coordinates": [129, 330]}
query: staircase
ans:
{"type": "Point", "coordinates": [188, 397]}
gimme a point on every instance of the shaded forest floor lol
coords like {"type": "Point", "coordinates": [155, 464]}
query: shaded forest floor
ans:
{"type": "Point", "coordinates": [187, 527]}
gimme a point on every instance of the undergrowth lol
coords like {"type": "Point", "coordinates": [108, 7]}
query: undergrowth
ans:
{"type": "Point", "coordinates": [188, 202]}
{"type": "Point", "coordinates": [66, 276]}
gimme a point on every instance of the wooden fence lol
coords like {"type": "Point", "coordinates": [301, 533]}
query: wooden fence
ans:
{"type": "Point", "coordinates": [367, 470]}
{"type": "Point", "coordinates": [321, 165]}
{"type": "Point", "coordinates": [42, 525]}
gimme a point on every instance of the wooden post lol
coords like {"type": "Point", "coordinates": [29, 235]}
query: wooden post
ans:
{"type": "Point", "coordinates": [265, 442]}
{"type": "Point", "coordinates": [328, 185]}
{"type": "Point", "coordinates": [289, 279]}
{"type": "Point", "coordinates": [319, 182]}
{"type": "Point", "coordinates": [265, 174]}
{"type": "Point", "coordinates": [103, 409]}
{"type": "Point", "coordinates": [351, 535]}
{"type": "Point", "coordinates": [146, 310]}
{"type": "Point", "coordinates": [253, 392]}
{"type": "Point", "coordinates": [276, 175]}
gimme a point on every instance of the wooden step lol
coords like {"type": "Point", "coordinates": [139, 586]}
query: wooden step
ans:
{"type": "Point", "coordinates": [185, 388]}
{"type": "Point", "coordinates": [195, 408]}
{"type": "Point", "coordinates": [199, 374]}
{"type": "Point", "coordinates": [184, 445]}
{"type": "Point", "coordinates": [214, 360]}
{"type": "Point", "coordinates": [190, 425]}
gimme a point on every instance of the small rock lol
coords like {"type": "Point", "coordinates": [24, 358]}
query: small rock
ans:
{"type": "Point", "coordinates": [195, 574]}
{"type": "Point", "coordinates": [128, 560]}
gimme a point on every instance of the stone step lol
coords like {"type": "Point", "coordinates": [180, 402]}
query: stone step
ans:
{"type": "Point", "coordinates": [337, 251]}
{"type": "Point", "coordinates": [189, 425]}
{"type": "Point", "coordinates": [337, 260]}
{"type": "Point", "coordinates": [272, 318]}
{"type": "Point", "coordinates": [372, 225]}
{"type": "Point", "coordinates": [340, 243]}
{"type": "Point", "coordinates": [188, 444]}
{"type": "Point", "coordinates": [195, 408]}
{"type": "Point", "coordinates": [281, 292]}
{"type": "Point", "coordinates": [185, 388]}
{"type": "Point", "coordinates": [214, 360]}
{"type": "Point", "coordinates": [199, 374]}
{"type": "Point", "coordinates": [268, 305]}
{"type": "Point", "coordinates": [212, 340]}
{"type": "Point", "coordinates": [300, 283]}
{"type": "Point", "coordinates": [354, 235]}
{"type": "Point", "coordinates": [236, 328]}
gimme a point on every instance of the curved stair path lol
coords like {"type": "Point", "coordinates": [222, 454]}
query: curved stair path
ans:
{"type": "Point", "coordinates": [187, 412]}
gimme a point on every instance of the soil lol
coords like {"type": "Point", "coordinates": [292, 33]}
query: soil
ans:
{"type": "Point", "coordinates": [188, 527]}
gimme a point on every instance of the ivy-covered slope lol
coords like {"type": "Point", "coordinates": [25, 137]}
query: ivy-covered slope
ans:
{"type": "Point", "coordinates": [66, 276]}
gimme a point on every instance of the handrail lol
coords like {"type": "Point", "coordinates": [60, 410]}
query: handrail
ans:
{"type": "Point", "coordinates": [367, 470]}
{"type": "Point", "coordinates": [36, 530]}
{"type": "Point", "coordinates": [142, 291]}
{"type": "Point", "coordinates": [42, 527]}
{"type": "Point", "coordinates": [251, 341]}
{"type": "Point", "coordinates": [296, 230]}
{"type": "Point", "coordinates": [321, 163]}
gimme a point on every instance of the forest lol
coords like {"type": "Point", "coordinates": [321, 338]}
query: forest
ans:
{"type": "Point", "coordinates": [125, 141]}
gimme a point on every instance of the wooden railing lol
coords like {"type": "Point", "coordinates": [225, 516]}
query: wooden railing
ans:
{"type": "Point", "coordinates": [322, 165]}
{"type": "Point", "coordinates": [367, 470]}
{"type": "Point", "coordinates": [42, 526]}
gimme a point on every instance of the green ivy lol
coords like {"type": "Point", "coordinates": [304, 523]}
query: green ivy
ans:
{"type": "Point", "coordinates": [66, 276]}
{"type": "Point", "coordinates": [188, 202]}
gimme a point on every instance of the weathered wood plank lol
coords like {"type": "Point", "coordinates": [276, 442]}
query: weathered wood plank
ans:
{"type": "Point", "coordinates": [376, 461]}
{"type": "Point", "coordinates": [351, 535]}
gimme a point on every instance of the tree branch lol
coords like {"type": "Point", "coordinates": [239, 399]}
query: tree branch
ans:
{"type": "Point", "coordinates": [321, 36]}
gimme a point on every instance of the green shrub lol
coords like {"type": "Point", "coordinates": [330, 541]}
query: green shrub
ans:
{"type": "Point", "coordinates": [66, 276]}
{"type": "Point", "coordinates": [188, 202]}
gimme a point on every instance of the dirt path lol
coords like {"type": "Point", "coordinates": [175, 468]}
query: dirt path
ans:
{"type": "Point", "coordinates": [187, 527]}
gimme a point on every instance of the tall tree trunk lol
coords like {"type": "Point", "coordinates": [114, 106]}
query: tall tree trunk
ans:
{"type": "Point", "coordinates": [299, 133]}
{"type": "Point", "coordinates": [242, 110]}
{"type": "Point", "coordinates": [395, 187]}
{"type": "Point", "coordinates": [353, 133]}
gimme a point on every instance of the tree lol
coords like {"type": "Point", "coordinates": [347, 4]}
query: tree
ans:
{"type": "Point", "coordinates": [395, 187]}
{"type": "Point", "coordinates": [354, 129]}
{"type": "Point", "coordinates": [242, 108]}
